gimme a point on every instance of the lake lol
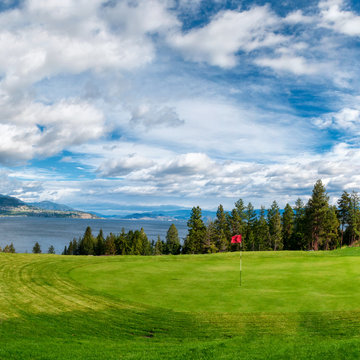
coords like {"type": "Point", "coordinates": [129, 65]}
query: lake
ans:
{"type": "Point", "coordinates": [23, 232]}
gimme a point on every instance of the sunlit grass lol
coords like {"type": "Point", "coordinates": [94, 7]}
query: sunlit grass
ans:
{"type": "Point", "coordinates": [301, 305]}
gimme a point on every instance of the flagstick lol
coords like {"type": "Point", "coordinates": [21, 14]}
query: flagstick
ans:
{"type": "Point", "coordinates": [240, 263]}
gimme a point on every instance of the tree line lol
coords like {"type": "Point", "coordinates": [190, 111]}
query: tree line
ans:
{"type": "Point", "coordinates": [8, 249]}
{"type": "Point", "coordinates": [316, 225]}
{"type": "Point", "coordinates": [130, 243]}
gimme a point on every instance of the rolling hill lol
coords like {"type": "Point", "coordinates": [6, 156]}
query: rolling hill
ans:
{"type": "Point", "coordinates": [11, 206]}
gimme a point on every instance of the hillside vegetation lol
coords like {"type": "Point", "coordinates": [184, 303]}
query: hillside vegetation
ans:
{"type": "Point", "coordinates": [299, 305]}
{"type": "Point", "coordinates": [11, 206]}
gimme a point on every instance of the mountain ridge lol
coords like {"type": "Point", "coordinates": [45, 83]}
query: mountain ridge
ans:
{"type": "Point", "coordinates": [12, 206]}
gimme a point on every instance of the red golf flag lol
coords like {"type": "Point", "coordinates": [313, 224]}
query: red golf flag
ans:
{"type": "Point", "coordinates": [236, 239]}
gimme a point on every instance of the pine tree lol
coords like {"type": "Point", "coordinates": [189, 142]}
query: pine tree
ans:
{"type": "Point", "coordinates": [222, 227]}
{"type": "Point", "coordinates": [99, 247]}
{"type": "Point", "coordinates": [36, 249]}
{"type": "Point", "coordinates": [344, 212]}
{"type": "Point", "coordinates": [235, 223]}
{"type": "Point", "coordinates": [331, 229]}
{"type": "Point", "coordinates": [172, 240]}
{"type": "Point", "coordinates": [75, 245]}
{"type": "Point", "coordinates": [145, 244]}
{"type": "Point", "coordinates": [251, 222]}
{"type": "Point", "coordinates": [137, 245]}
{"type": "Point", "coordinates": [121, 243]}
{"type": "Point", "coordinates": [316, 211]}
{"type": "Point", "coordinates": [287, 226]}
{"type": "Point", "coordinates": [86, 246]}
{"type": "Point", "coordinates": [51, 250]}
{"type": "Point", "coordinates": [210, 238]}
{"type": "Point", "coordinates": [11, 248]}
{"type": "Point", "coordinates": [275, 228]}
{"type": "Point", "coordinates": [196, 233]}
{"type": "Point", "coordinates": [263, 241]}
{"type": "Point", "coordinates": [353, 229]}
{"type": "Point", "coordinates": [70, 250]}
{"type": "Point", "coordinates": [222, 243]}
{"type": "Point", "coordinates": [158, 250]}
{"type": "Point", "coordinates": [298, 241]}
{"type": "Point", "coordinates": [109, 244]}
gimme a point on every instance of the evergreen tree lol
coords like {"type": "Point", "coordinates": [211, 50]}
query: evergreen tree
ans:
{"type": "Point", "coordinates": [172, 240]}
{"type": "Point", "coordinates": [316, 212]}
{"type": "Point", "coordinates": [344, 212]}
{"type": "Point", "coordinates": [121, 243]}
{"type": "Point", "coordinates": [109, 243]}
{"type": "Point", "coordinates": [287, 226]}
{"type": "Point", "coordinates": [241, 210]}
{"type": "Point", "coordinates": [76, 246]}
{"type": "Point", "coordinates": [222, 243]}
{"type": "Point", "coordinates": [11, 248]}
{"type": "Point", "coordinates": [86, 246]}
{"type": "Point", "coordinates": [196, 233]}
{"type": "Point", "coordinates": [263, 241]}
{"type": "Point", "coordinates": [210, 238]}
{"type": "Point", "coordinates": [353, 228]}
{"type": "Point", "coordinates": [235, 223]}
{"type": "Point", "coordinates": [251, 223]}
{"type": "Point", "coordinates": [64, 251]}
{"type": "Point", "coordinates": [51, 250]}
{"type": "Point", "coordinates": [36, 249]}
{"type": "Point", "coordinates": [331, 229]}
{"type": "Point", "coordinates": [275, 229]}
{"type": "Point", "coordinates": [222, 228]}
{"type": "Point", "coordinates": [158, 250]}
{"type": "Point", "coordinates": [146, 246]}
{"type": "Point", "coordinates": [70, 250]}
{"type": "Point", "coordinates": [298, 241]}
{"type": "Point", "coordinates": [99, 247]}
{"type": "Point", "coordinates": [137, 244]}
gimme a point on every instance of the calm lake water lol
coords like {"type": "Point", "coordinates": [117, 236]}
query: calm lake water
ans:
{"type": "Point", "coordinates": [24, 232]}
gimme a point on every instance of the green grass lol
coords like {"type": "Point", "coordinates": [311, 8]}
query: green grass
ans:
{"type": "Point", "coordinates": [291, 305]}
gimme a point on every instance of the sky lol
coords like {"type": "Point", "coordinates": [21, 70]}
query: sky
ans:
{"type": "Point", "coordinates": [130, 105]}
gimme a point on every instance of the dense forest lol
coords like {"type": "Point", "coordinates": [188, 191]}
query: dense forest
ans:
{"type": "Point", "coordinates": [316, 225]}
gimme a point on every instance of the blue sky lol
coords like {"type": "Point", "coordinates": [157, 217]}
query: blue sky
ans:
{"type": "Point", "coordinates": [117, 106]}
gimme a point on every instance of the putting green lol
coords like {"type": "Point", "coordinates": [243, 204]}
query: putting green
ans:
{"type": "Point", "coordinates": [271, 282]}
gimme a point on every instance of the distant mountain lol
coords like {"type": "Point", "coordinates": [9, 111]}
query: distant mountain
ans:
{"type": "Point", "coordinates": [11, 206]}
{"type": "Point", "coordinates": [48, 205]}
{"type": "Point", "coordinates": [6, 201]}
{"type": "Point", "coordinates": [168, 215]}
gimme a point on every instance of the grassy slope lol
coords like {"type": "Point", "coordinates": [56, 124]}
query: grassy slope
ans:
{"type": "Point", "coordinates": [291, 305]}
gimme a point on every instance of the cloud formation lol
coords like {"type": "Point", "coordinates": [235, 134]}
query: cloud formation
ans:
{"type": "Point", "coordinates": [177, 102]}
{"type": "Point", "coordinates": [229, 32]}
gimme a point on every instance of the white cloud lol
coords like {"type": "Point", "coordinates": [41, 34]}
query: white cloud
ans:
{"type": "Point", "coordinates": [229, 32]}
{"type": "Point", "coordinates": [124, 166]}
{"type": "Point", "coordinates": [297, 17]}
{"type": "Point", "coordinates": [342, 21]}
{"type": "Point", "coordinates": [297, 65]}
{"type": "Point", "coordinates": [346, 119]}
{"type": "Point", "coordinates": [9, 185]}
{"type": "Point", "coordinates": [191, 164]}
{"type": "Point", "coordinates": [44, 130]}
{"type": "Point", "coordinates": [152, 116]}
{"type": "Point", "coordinates": [46, 38]}
{"type": "Point", "coordinates": [141, 17]}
